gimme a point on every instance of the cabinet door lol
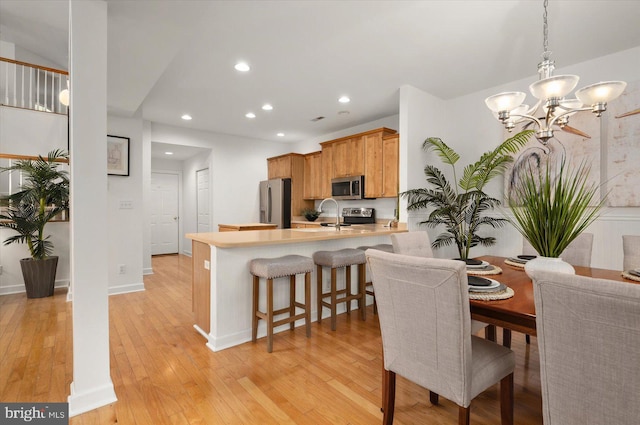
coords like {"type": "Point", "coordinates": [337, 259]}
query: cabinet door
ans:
{"type": "Point", "coordinates": [373, 172]}
{"type": "Point", "coordinates": [355, 156]}
{"type": "Point", "coordinates": [279, 167]}
{"type": "Point", "coordinates": [327, 170]}
{"type": "Point", "coordinates": [341, 158]}
{"type": "Point", "coordinates": [390, 166]}
{"type": "Point", "coordinates": [313, 175]}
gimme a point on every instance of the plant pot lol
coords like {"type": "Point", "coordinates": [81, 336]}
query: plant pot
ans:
{"type": "Point", "coordinates": [311, 217]}
{"type": "Point", "coordinates": [470, 261]}
{"type": "Point", "coordinates": [39, 276]}
{"type": "Point", "coordinates": [548, 264]}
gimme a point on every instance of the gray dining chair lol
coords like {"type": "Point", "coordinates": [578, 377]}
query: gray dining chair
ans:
{"type": "Point", "coordinates": [589, 343]}
{"type": "Point", "coordinates": [578, 253]}
{"type": "Point", "coordinates": [423, 308]}
{"type": "Point", "coordinates": [631, 250]}
{"type": "Point", "coordinates": [418, 244]}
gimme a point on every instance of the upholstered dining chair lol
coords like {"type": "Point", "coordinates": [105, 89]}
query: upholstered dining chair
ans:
{"type": "Point", "coordinates": [578, 253]}
{"type": "Point", "coordinates": [631, 250]}
{"type": "Point", "coordinates": [423, 308]}
{"type": "Point", "coordinates": [589, 343]}
{"type": "Point", "coordinates": [418, 244]}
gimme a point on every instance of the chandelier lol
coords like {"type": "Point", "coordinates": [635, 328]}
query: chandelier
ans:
{"type": "Point", "coordinates": [551, 92]}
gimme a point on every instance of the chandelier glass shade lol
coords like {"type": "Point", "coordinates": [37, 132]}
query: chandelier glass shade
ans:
{"type": "Point", "coordinates": [551, 92]}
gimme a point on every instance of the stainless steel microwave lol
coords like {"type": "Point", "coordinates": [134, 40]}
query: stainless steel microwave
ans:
{"type": "Point", "coordinates": [348, 187]}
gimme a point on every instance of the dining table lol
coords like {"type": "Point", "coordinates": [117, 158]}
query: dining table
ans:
{"type": "Point", "coordinates": [518, 313]}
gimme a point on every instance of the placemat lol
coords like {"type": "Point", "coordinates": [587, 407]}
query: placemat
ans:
{"type": "Point", "coordinates": [491, 296]}
{"type": "Point", "coordinates": [514, 264]}
{"type": "Point", "coordinates": [628, 275]}
{"type": "Point", "coordinates": [494, 270]}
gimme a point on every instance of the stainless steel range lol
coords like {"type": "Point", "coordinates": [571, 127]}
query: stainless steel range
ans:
{"type": "Point", "coordinates": [359, 215]}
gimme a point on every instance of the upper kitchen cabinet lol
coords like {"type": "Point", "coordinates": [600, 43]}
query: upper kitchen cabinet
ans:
{"type": "Point", "coordinates": [281, 167]}
{"type": "Point", "coordinates": [313, 175]}
{"type": "Point", "coordinates": [381, 165]}
{"type": "Point", "coordinates": [367, 154]}
{"type": "Point", "coordinates": [348, 157]}
{"type": "Point", "coordinates": [326, 171]}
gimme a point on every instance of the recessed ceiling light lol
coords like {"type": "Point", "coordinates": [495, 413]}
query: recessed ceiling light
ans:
{"type": "Point", "coordinates": [242, 67]}
{"type": "Point", "coordinates": [344, 99]}
{"type": "Point", "coordinates": [280, 134]}
{"type": "Point", "coordinates": [250, 115]}
{"type": "Point", "coordinates": [186, 117]}
{"type": "Point", "coordinates": [168, 153]}
{"type": "Point", "coordinates": [267, 107]}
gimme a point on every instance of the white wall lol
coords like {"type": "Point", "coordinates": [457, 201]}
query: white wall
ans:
{"type": "Point", "coordinates": [26, 132]}
{"type": "Point", "coordinates": [236, 164]}
{"type": "Point", "coordinates": [472, 130]}
{"type": "Point", "coordinates": [125, 238]}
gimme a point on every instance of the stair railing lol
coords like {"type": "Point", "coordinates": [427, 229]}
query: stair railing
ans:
{"type": "Point", "coordinates": [27, 86]}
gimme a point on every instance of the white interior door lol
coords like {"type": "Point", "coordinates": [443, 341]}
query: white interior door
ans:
{"type": "Point", "coordinates": [202, 196]}
{"type": "Point", "coordinates": [164, 213]}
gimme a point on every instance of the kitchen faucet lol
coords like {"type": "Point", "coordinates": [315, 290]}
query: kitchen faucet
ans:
{"type": "Point", "coordinates": [337, 210]}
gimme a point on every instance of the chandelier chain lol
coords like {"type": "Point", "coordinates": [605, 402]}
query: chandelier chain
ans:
{"type": "Point", "coordinates": [545, 32]}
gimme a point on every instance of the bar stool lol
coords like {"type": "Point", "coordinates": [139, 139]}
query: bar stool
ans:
{"type": "Point", "coordinates": [338, 259]}
{"type": "Point", "coordinates": [387, 247]}
{"type": "Point", "coordinates": [270, 269]}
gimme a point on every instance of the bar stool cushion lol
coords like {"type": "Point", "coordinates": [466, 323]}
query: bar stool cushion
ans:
{"type": "Point", "coordinates": [271, 268]}
{"type": "Point", "coordinates": [339, 258]}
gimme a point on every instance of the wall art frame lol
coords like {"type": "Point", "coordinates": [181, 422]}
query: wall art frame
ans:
{"type": "Point", "coordinates": [118, 155]}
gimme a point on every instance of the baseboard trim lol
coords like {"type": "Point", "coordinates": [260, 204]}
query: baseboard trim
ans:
{"type": "Point", "coordinates": [17, 289]}
{"type": "Point", "coordinates": [147, 271]}
{"type": "Point", "coordinates": [125, 289]}
{"type": "Point", "coordinates": [98, 397]}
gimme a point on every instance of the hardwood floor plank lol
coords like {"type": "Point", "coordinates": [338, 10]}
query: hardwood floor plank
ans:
{"type": "Point", "coordinates": [164, 374]}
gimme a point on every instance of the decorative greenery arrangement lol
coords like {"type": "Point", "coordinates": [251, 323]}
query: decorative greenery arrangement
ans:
{"type": "Point", "coordinates": [310, 214]}
{"type": "Point", "coordinates": [43, 195]}
{"type": "Point", "coordinates": [551, 211]}
{"type": "Point", "coordinates": [460, 207]}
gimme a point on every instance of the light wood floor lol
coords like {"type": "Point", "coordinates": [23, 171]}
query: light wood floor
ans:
{"type": "Point", "coordinates": [164, 374]}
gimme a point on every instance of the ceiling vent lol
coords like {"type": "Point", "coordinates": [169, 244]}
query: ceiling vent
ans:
{"type": "Point", "coordinates": [317, 119]}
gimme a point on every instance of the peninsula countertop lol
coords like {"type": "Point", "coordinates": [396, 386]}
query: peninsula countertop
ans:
{"type": "Point", "coordinates": [288, 236]}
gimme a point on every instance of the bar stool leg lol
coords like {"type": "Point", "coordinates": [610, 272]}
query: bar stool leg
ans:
{"type": "Point", "coordinates": [334, 297]}
{"type": "Point", "coordinates": [347, 288]}
{"type": "Point", "coordinates": [319, 290]}
{"type": "Point", "coordinates": [269, 315]}
{"type": "Point", "coordinates": [307, 303]}
{"type": "Point", "coordinates": [256, 297]}
{"type": "Point", "coordinates": [292, 300]}
{"type": "Point", "coordinates": [362, 291]}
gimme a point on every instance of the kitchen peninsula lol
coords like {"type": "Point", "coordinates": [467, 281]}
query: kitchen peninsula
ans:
{"type": "Point", "coordinates": [222, 290]}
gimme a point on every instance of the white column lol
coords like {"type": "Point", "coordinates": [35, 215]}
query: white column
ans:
{"type": "Point", "coordinates": [92, 386]}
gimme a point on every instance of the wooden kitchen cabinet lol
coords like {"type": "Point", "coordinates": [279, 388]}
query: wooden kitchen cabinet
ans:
{"type": "Point", "coordinates": [280, 167]}
{"type": "Point", "coordinates": [313, 175]}
{"type": "Point", "coordinates": [381, 165]}
{"type": "Point", "coordinates": [348, 157]}
{"type": "Point", "coordinates": [326, 170]}
{"type": "Point", "coordinates": [390, 165]}
{"type": "Point", "coordinates": [291, 166]}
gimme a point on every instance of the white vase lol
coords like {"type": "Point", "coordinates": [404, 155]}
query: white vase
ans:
{"type": "Point", "coordinates": [552, 264]}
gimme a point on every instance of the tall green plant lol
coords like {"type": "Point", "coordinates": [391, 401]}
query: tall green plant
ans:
{"type": "Point", "coordinates": [460, 207]}
{"type": "Point", "coordinates": [43, 195]}
{"type": "Point", "coordinates": [550, 210]}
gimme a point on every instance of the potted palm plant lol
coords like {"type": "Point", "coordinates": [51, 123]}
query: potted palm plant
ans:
{"type": "Point", "coordinates": [551, 209]}
{"type": "Point", "coordinates": [43, 195]}
{"type": "Point", "coordinates": [460, 207]}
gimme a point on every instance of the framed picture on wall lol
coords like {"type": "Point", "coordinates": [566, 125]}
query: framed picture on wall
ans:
{"type": "Point", "coordinates": [117, 155]}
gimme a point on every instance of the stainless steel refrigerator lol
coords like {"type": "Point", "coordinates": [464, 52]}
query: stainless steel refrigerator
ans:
{"type": "Point", "coordinates": [275, 202]}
